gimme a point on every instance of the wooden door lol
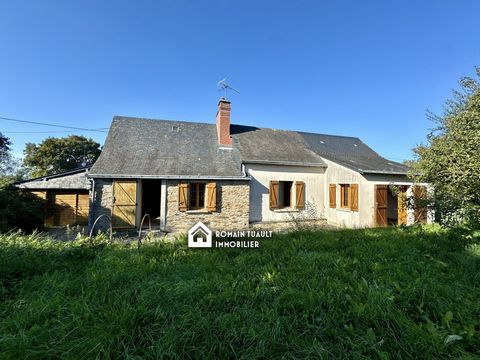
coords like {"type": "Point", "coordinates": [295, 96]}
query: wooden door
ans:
{"type": "Point", "coordinates": [381, 193]}
{"type": "Point", "coordinates": [402, 205]}
{"type": "Point", "coordinates": [124, 203]}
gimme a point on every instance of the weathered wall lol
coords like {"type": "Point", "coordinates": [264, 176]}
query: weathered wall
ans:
{"type": "Point", "coordinates": [262, 174]}
{"type": "Point", "coordinates": [71, 181]}
{"type": "Point", "coordinates": [383, 179]}
{"type": "Point", "coordinates": [102, 202]}
{"type": "Point", "coordinates": [337, 174]}
{"type": "Point", "coordinates": [232, 208]}
{"type": "Point", "coordinates": [365, 217]}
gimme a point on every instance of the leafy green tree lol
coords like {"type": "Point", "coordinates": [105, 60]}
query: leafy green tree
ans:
{"type": "Point", "coordinates": [9, 166]}
{"type": "Point", "coordinates": [4, 151]}
{"type": "Point", "coordinates": [450, 160]}
{"type": "Point", "coordinates": [55, 155]}
{"type": "Point", "coordinates": [18, 210]}
{"type": "Point", "coordinates": [4, 144]}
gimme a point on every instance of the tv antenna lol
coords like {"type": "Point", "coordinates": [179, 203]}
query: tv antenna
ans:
{"type": "Point", "coordinates": [223, 86]}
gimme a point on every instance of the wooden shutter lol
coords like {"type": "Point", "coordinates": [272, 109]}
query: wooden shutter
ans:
{"type": "Point", "coordinates": [182, 197]}
{"type": "Point", "coordinates": [299, 194]}
{"type": "Point", "coordinates": [402, 206]}
{"type": "Point", "coordinates": [420, 211]}
{"type": "Point", "coordinates": [381, 192]}
{"type": "Point", "coordinates": [212, 196]}
{"type": "Point", "coordinates": [332, 195]}
{"type": "Point", "coordinates": [273, 194]}
{"type": "Point", "coordinates": [124, 208]}
{"type": "Point", "coordinates": [354, 197]}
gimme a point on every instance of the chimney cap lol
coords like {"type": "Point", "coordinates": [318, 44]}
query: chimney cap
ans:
{"type": "Point", "coordinates": [222, 99]}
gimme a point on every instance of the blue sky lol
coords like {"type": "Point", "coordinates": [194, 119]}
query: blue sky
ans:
{"type": "Point", "coordinates": [360, 68]}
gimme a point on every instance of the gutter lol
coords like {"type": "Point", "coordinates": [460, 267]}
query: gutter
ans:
{"type": "Point", "coordinates": [384, 172]}
{"type": "Point", "coordinates": [176, 177]}
{"type": "Point", "coordinates": [287, 163]}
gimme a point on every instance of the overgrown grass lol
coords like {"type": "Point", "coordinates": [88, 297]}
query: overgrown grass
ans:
{"type": "Point", "coordinates": [379, 293]}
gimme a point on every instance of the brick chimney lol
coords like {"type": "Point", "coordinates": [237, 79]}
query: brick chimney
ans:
{"type": "Point", "coordinates": [223, 123]}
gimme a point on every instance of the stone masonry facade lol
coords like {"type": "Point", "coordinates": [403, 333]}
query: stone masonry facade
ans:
{"type": "Point", "coordinates": [102, 202]}
{"type": "Point", "coordinates": [232, 208]}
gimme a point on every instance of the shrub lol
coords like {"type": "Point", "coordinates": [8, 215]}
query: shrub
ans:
{"type": "Point", "coordinates": [20, 210]}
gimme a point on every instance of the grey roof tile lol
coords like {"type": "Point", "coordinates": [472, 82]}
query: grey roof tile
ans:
{"type": "Point", "coordinates": [352, 153]}
{"type": "Point", "coordinates": [146, 147]}
{"type": "Point", "coordinates": [270, 145]}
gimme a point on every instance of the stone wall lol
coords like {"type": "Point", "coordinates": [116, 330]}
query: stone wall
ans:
{"type": "Point", "coordinates": [232, 208]}
{"type": "Point", "coordinates": [102, 202]}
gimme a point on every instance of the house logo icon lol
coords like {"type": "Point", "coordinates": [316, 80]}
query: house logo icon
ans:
{"type": "Point", "coordinates": [199, 236]}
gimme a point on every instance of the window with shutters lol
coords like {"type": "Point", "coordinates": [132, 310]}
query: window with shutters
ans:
{"type": "Point", "coordinates": [345, 196]}
{"type": "Point", "coordinates": [287, 195]}
{"type": "Point", "coordinates": [196, 196]}
{"type": "Point", "coordinates": [348, 196]}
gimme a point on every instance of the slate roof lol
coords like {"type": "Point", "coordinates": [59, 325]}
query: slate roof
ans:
{"type": "Point", "coordinates": [352, 153]}
{"type": "Point", "coordinates": [273, 146]}
{"type": "Point", "coordinates": [137, 147]}
{"type": "Point", "coordinates": [71, 179]}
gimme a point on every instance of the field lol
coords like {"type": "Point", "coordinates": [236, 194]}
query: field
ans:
{"type": "Point", "coordinates": [379, 293]}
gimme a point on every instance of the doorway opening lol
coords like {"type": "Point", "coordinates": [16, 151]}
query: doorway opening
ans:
{"type": "Point", "coordinates": [151, 190]}
{"type": "Point", "coordinates": [390, 205]}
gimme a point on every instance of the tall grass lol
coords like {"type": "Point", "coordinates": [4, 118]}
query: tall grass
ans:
{"type": "Point", "coordinates": [380, 293]}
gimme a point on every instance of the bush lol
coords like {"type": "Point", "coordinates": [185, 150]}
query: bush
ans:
{"type": "Point", "coordinates": [20, 210]}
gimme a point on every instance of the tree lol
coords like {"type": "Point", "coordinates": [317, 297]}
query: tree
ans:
{"type": "Point", "coordinates": [8, 165]}
{"type": "Point", "coordinates": [55, 155]}
{"type": "Point", "coordinates": [4, 144]}
{"type": "Point", "coordinates": [17, 209]}
{"type": "Point", "coordinates": [450, 159]}
{"type": "Point", "coordinates": [4, 150]}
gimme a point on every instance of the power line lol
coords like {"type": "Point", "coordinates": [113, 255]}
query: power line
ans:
{"type": "Point", "coordinates": [40, 132]}
{"type": "Point", "coordinates": [53, 125]}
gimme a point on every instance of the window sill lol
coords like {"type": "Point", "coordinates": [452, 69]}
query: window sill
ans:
{"type": "Point", "coordinates": [198, 211]}
{"type": "Point", "coordinates": [286, 210]}
{"type": "Point", "coordinates": [343, 209]}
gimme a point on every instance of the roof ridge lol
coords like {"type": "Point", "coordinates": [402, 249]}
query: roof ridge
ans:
{"type": "Point", "coordinates": [299, 132]}
{"type": "Point", "coordinates": [121, 117]}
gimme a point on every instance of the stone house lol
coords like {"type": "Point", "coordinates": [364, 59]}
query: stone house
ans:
{"type": "Point", "coordinates": [232, 176]}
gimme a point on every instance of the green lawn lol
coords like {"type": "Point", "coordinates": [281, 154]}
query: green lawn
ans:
{"type": "Point", "coordinates": [379, 293]}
